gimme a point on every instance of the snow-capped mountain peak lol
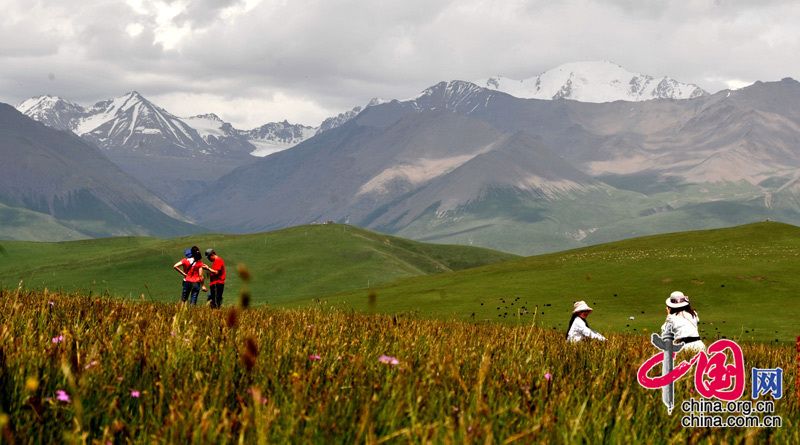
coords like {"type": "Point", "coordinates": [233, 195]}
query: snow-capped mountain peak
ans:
{"type": "Point", "coordinates": [130, 123]}
{"type": "Point", "coordinates": [338, 120]}
{"type": "Point", "coordinates": [594, 81]}
{"type": "Point", "coordinates": [277, 136]}
{"type": "Point", "coordinates": [44, 102]}
{"type": "Point", "coordinates": [209, 124]}
{"type": "Point", "coordinates": [452, 95]}
{"type": "Point", "coordinates": [52, 111]}
{"type": "Point", "coordinates": [134, 124]}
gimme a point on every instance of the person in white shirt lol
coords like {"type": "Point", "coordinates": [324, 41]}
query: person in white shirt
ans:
{"type": "Point", "coordinates": [682, 322]}
{"type": "Point", "coordinates": [578, 326]}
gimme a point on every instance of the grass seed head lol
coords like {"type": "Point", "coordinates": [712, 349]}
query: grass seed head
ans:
{"type": "Point", "coordinates": [244, 273]}
{"type": "Point", "coordinates": [250, 353]}
{"type": "Point", "coordinates": [244, 299]}
{"type": "Point", "coordinates": [232, 317]}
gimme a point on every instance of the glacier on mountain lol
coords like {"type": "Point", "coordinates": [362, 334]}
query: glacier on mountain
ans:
{"type": "Point", "coordinates": [596, 81]}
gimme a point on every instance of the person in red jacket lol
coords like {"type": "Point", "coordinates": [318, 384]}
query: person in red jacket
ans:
{"type": "Point", "coordinates": [217, 272]}
{"type": "Point", "coordinates": [191, 268]}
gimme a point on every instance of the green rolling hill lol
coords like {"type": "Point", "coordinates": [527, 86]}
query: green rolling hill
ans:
{"type": "Point", "coordinates": [743, 282]}
{"type": "Point", "coordinates": [305, 261]}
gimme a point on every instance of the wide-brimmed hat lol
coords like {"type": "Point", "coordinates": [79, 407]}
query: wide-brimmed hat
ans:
{"type": "Point", "coordinates": [677, 300]}
{"type": "Point", "coordinates": [580, 306]}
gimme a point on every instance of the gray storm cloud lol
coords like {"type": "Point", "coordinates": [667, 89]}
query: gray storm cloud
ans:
{"type": "Point", "coordinates": [253, 61]}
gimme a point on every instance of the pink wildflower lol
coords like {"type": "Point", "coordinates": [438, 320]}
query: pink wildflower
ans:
{"type": "Point", "coordinates": [135, 394]}
{"type": "Point", "coordinates": [389, 360]}
{"type": "Point", "coordinates": [548, 376]}
{"type": "Point", "coordinates": [52, 303]}
{"type": "Point", "coordinates": [57, 340]}
{"type": "Point", "coordinates": [91, 364]}
{"type": "Point", "coordinates": [314, 357]}
{"type": "Point", "coordinates": [62, 396]}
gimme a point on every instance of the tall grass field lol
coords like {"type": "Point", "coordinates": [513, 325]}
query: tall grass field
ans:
{"type": "Point", "coordinates": [78, 369]}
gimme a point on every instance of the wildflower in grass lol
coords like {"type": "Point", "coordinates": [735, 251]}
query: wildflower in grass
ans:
{"type": "Point", "coordinates": [32, 384]}
{"type": "Point", "coordinates": [314, 357]}
{"type": "Point", "coordinates": [57, 340]}
{"type": "Point", "coordinates": [548, 376]}
{"type": "Point", "coordinates": [62, 396]}
{"type": "Point", "coordinates": [51, 303]}
{"type": "Point", "coordinates": [389, 360]}
{"type": "Point", "coordinates": [91, 364]}
{"type": "Point", "coordinates": [135, 394]}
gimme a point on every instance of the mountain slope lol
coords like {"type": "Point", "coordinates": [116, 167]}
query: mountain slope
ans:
{"type": "Point", "coordinates": [386, 153]}
{"type": "Point", "coordinates": [56, 173]}
{"type": "Point", "coordinates": [285, 265]}
{"type": "Point", "coordinates": [22, 224]}
{"type": "Point", "coordinates": [598, 81]}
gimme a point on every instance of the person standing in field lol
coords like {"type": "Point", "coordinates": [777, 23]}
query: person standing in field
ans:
{"type": "Point", "coordinates": [682, 322]}
{"type": "Point", "coordinates": [217, 278]}
{"type": "Point", "coordinates": [191, 268]}
{"type": "Point", "coordinates": [182, 267]}
{"type": "Point", "coordinates": [578, 328]}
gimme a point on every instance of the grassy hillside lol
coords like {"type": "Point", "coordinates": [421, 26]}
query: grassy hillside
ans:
{"type": "Point", "coordinates": [77, 369]}
{"type": "Point", "coordinates": [743, 282]}
{"type": "Point", "coordinates": [19, 223]}
{"type": "Point", "coordinates": [306, 261]}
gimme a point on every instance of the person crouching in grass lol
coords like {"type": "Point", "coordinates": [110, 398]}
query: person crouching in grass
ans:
{"type": "Point", "coordinates": [682, 322]}
{"type": "Point", "coordinates": [578, 326]}
{"type": "Point", "coordinates": [217, 278]}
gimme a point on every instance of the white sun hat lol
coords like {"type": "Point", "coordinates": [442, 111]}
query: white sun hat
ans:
{"type": "Point", "coordinates": [580, 306]}
{"type": "Point", "coordinates": [677, 300]}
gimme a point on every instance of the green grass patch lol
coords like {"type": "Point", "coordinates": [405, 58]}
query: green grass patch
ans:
{"type": "Point", "coordinates": [742, 281]}
{"type": "Point", "coordinates": [300, 262]}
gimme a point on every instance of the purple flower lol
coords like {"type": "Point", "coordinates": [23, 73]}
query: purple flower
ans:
{"type": "Point", "coordinates": [62, 396]}
{"type": "Point", "coordinates": [57, 340]}
{"type": "Point", "coordinates": [135, 394]}
{"type": "Point", "coordinates": [548, 376]}
{"type": "Point", "coordinates": [314, 357]}
{"type": "Point", "coordinates": [389, 360]}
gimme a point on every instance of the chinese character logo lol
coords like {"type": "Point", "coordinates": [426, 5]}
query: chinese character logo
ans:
{"type": "Point", "coordinates": [767, 381]}
{"type": "Point", "coordinates": [714, 375]}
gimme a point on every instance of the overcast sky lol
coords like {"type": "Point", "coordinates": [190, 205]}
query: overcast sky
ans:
{"type": "Point", "coordinates": [255, 61]}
